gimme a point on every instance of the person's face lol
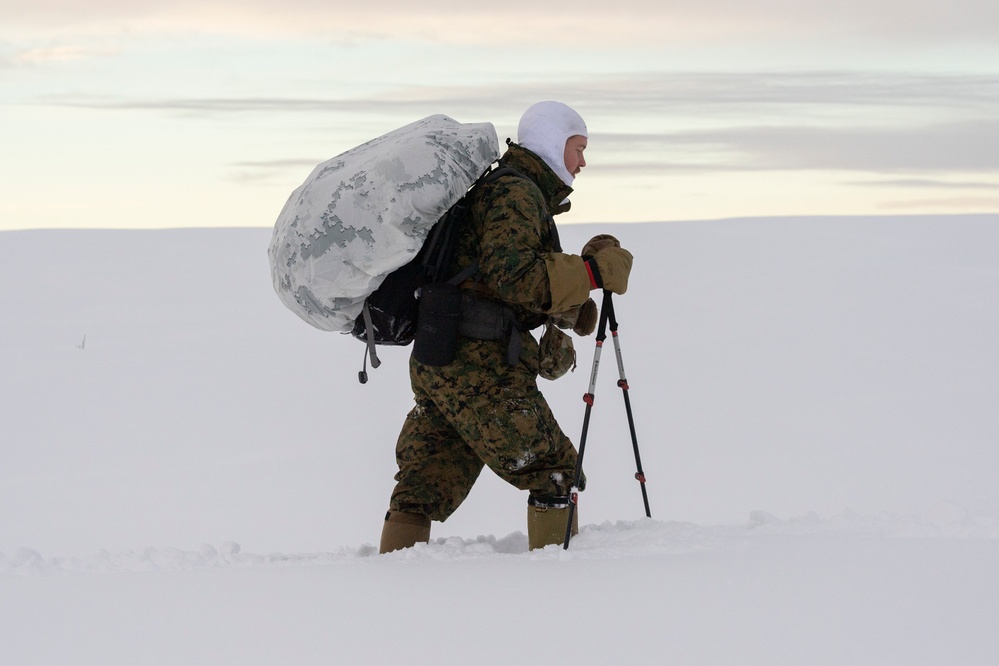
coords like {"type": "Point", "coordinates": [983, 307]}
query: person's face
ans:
{"type": "Point", "coordinates": [574, 160]}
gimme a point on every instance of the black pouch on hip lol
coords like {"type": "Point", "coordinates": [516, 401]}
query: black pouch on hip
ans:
{"type": "Point", "coordinates": [436, 341]}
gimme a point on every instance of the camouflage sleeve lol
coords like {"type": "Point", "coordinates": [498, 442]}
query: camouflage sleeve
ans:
{"type": "Point", "coordinates": [513, 232]}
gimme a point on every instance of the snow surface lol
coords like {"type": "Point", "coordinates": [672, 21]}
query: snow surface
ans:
{"type": "Point", "coordinates": [191, 475]}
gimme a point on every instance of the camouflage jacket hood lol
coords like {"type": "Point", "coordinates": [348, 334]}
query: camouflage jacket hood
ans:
{"type": "Point", "coordinates": [510, 231]}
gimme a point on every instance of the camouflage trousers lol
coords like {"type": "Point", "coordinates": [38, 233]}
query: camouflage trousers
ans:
{"type": "Point", "coordinates": [476, 412]}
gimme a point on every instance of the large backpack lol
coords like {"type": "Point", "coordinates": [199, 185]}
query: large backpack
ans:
{"type": "Point", "coordinates": [367, 212]}
{"type": "Point", "coordinates": [389, 315]}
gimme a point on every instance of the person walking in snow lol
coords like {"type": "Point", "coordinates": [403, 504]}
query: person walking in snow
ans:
{"type": "Point", "coordinates": [484, 408]}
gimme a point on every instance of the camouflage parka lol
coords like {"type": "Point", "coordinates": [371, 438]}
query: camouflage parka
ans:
{"type": "Point", "coordinates": [510, 230]}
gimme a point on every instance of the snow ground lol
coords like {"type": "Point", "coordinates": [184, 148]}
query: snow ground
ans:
{"type": "Point", "coordinates": [814, 399]}
{"type": "Point", "coordinates": [647, 592]}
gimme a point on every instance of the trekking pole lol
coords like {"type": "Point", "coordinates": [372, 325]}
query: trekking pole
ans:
{"type": "Point", "coordinates": [623, 383]}
{"type": "Point", "coordinates": [588, 399]}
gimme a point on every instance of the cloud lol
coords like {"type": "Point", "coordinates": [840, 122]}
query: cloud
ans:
{"type": "Point", "coordinates": [945, 204]}
{"type": "Point", "coordinates": [41, 56]}
{"type": "Point", "coordinates": [662, 95]}
{"type": "Point", "coordinates": [959, 147]}
{"type": "Point", "coordinates": [964, 147]}
{"type": "Point", "coordinates": [207, 105]}
{"type": "Point", "coordinates": [626, 22]}
{"type": "Point", "coordinates": [871, 122]}
{"type": "Point", "coordinates": [927, 184]}
{"type": "Point", "coordinates": [278, 164]}
{"type": "Point", "coordinates": [269, 172]}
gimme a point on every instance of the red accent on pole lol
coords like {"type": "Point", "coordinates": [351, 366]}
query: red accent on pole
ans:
{"type": "Point", "coordinates": [574, 498]}
{"type": "Point", "coordinates": [640, 476]}
{"type": "Point", "coordinates": [623, 383]}
{"type": "Point", "coordinates": [588, 399]}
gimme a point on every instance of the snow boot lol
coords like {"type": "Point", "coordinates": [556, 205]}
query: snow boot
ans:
{"type": "Point", "coordinates": [546, 520]}
{"type": "Point", "coordinates": [402, 530]}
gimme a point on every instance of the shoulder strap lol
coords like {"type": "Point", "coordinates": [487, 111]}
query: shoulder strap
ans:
{"type": "Point", "coordinates": [369, 345]}
{"type": "Point", "coordinates": [443, 236]}
{"type": "Point", "coordinates": [492, 175]}
{"type": "Point", "coordinates": [464, 274]}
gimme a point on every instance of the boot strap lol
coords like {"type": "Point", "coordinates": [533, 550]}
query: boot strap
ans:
{"type": "Point", "coordinates": [548, 501]}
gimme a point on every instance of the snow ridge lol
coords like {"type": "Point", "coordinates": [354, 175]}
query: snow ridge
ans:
{"type": "Point", "coordinates": [619, 540]}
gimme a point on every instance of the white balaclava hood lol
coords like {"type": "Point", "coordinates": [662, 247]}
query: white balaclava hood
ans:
{"type": "Point", "coordinates": [544, 128]}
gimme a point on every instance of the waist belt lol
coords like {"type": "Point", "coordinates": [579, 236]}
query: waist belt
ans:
{"type": "Point", "coordinates": [482, 319]}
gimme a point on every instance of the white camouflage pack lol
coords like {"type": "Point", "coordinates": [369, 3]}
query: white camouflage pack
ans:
{"type": "Point", "coordinates": [364, 213]}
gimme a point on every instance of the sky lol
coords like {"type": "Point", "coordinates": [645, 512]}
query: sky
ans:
{"type": "Point", "coordinates": [142, 114]}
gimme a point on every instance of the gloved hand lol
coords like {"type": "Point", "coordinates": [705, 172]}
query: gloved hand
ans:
{"type": "Point", "coordinates": [586, 318]}
{"type": "Point", "coordinates": [580, 319]}
{"type": "Point", "coordinates": [609, 269]}
{"type": "Point", "coordinates": [597, 243]}
{"type": "Point", "coordinates": [604, 264]}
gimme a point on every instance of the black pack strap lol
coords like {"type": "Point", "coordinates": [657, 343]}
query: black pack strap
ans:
{"type": "Point", "coordinates": [482, 318]}
{"type": "Point", "coordinates": [513, 345]}
{"type": "Point", "coordinates": [370, 329]}
{"type": "Point", "coordinates": [442, 240]}
{"type": "Point", "coordinates": [485, 319]}
{"type": "Point", "coordinates": [466, 273]}
{"type": "Point", "coordinates": [490, 176]}
{"type": "Point", "coordinates": [369, 351]}
{"type": "Point", "coordinates": [556, 241]}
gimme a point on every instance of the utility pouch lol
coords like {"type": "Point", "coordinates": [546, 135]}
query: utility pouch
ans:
{"type": "Point", "coordinates": [436, 341]}
{"type": "Point", "coordinates": [556, 355]}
